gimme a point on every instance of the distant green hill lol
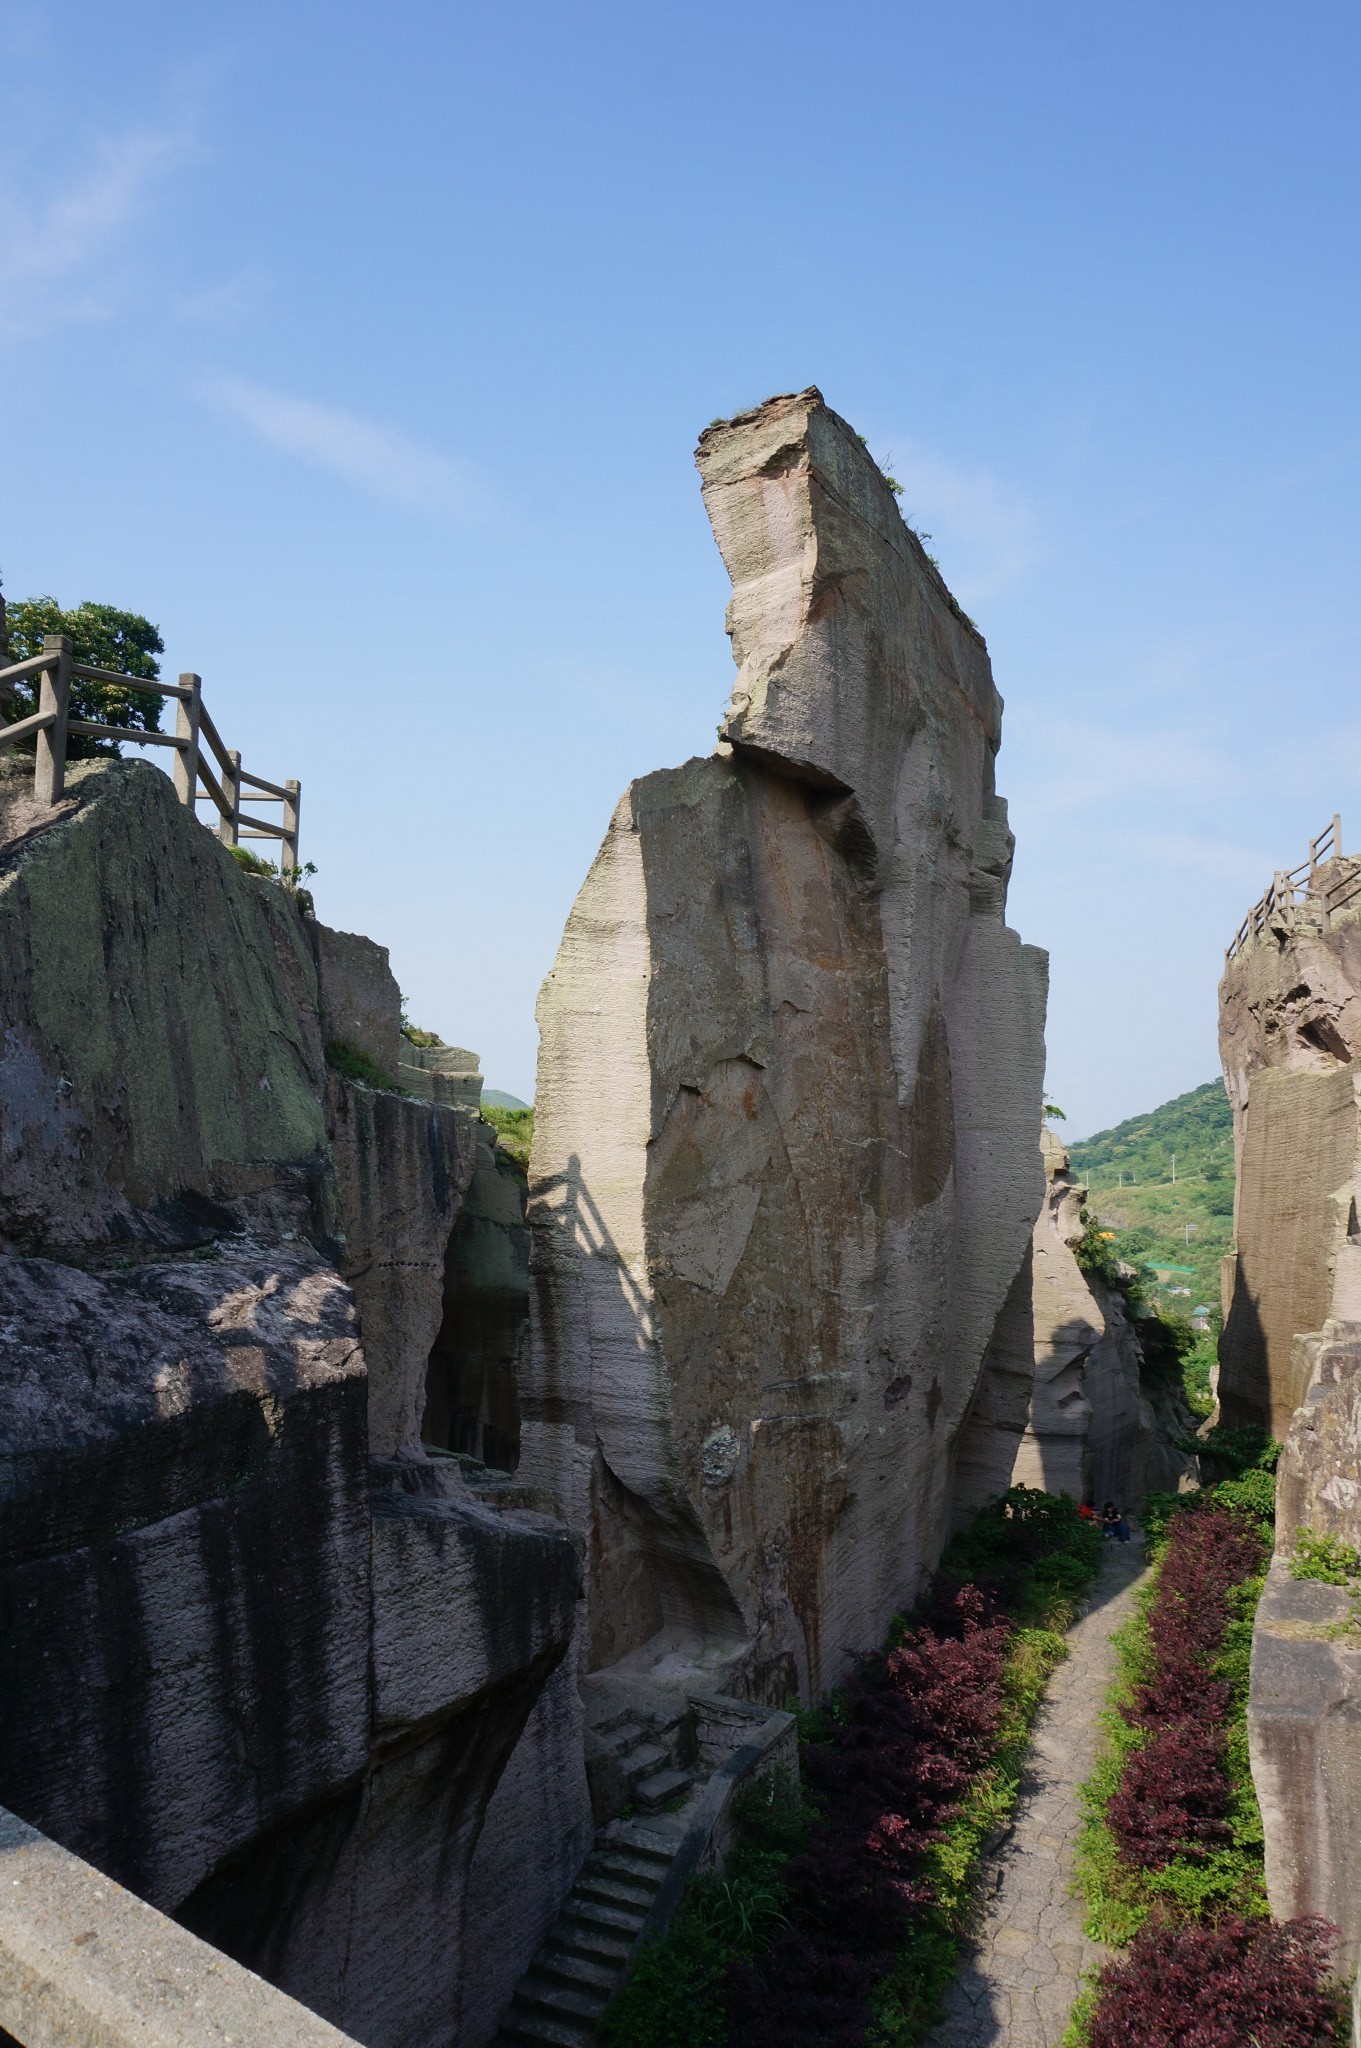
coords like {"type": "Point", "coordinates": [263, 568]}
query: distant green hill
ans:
{"type": "Point", "coordinates": [1159, 1222]}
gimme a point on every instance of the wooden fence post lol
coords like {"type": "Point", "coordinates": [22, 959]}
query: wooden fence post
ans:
{"type": "Point", "coordinates": [292, 806]}
{"type": "Point", "coordinates": [54, 694]}
{"type": "Point", "coordinates": [1337, 835]}
{"type": "Point", "coordinates": [186, 728]}
{"type": "Point", "coordinates": [229, 831]}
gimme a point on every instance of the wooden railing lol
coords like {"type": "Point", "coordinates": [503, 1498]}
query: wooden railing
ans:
{"type": "Point", "coordinates": [51, 724]}
{"type": "Point", "coordinates": [1327, 894]}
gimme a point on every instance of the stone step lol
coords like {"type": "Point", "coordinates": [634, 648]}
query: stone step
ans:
{"type": "Point", "coordinates": [626, 1736]}
{"type": "Point", "coordinates": [566, 1966]}
{"type": "Point", "coordinates": [539, 2030]}
{"type": "Point", "coordinates": [662, 1787]}
{"type": "Point", "coordinates": [612, 1891]}
{"type": "Point", "coordinates": [631, 1866]}
{"type": "Point", "coordinates": [605, 1945]}
{"type": "Point", "coordinates": [624, 1920]}
{"type": "Point", "coordinates": [660, 1838]}
{"type": "Point", "coordinates": [561, 2001]}
{"type": "Point", "coordinates": [642, 1762]}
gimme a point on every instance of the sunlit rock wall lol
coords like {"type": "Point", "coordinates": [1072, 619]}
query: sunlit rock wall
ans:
{"type": "Point", "coordinates": [1290, 1362]}
{"type": "Point", "coordinates": [261, 1659]}
{"type": "Point", "coordinates": [1062, 1399]}
{"type": "Point", "coordinates": [785, 1167]}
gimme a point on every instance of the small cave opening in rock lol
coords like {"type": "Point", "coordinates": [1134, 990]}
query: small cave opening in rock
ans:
{"type": "Point", "coordinates": [1323, 1035]}
{"type": "Point", "coordinates": [472, 1403]}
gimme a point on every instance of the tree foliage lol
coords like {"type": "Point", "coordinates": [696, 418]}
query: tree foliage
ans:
{"type": "Point", "coordinates": [105, 637]}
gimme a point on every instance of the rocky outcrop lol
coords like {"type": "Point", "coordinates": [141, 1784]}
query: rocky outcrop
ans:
{"type": "Point", "coordinates": [1064, 1401]}
{"type": "Point", "coordinates": [784, 1170]}
{"type": "Point", "coordinates": [1057, 1447]}
{"type": "Point", "coordinates": [261, 1658]}
{"type": "Point", "coordinates": [472, 1402]}
{"type": "Point", "coordinates": [1290, 1038]}
{"type": "Point", "coordinates": [440, 1073]}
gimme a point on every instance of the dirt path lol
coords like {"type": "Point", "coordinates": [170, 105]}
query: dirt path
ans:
{"type": "Point", "coordinates": [1027, 1953]}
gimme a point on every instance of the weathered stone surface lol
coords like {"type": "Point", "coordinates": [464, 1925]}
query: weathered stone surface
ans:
{"type": "Point", "coordinates": [1290, 1040]}
{"type": "Point", "coordinates": [441, 1073]}
{"type": "Point", "coordinates": [472, 1401]}
{"type": "Point", "coordinates": [785, 1167]}
{"type": "Point", "coordinates": [359, 1000]}
{"type": "Point", "coordinates": [1139, 1425]}
{"type": "Point", "coordinates": [1304, 1730]}
{"type": "Point", "coordinates": [85, 1964]}
{"type": "Point", "coordinates": [403, 1170]}
{"type": "Point", "coordinates": [360, 1909]}
{"type": "Point", "coordinates": [160, 1051]}
{"type": "Point", "coordinates": [232, 1674]}
{"type": "Point", "coordinates": [1290, 1037]}
{"type": "Point", "coordinates": [184, 1571]}
{"type": "Point", "coordinates": [1062, 1400]}
{"type": "Point", "coordinates": [1056, 1450]}
{"type": "Point", "coordinates": [541, 1799]}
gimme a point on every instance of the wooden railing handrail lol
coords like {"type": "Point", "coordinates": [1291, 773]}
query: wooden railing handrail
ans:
{"type": "Point", "coordinates": [31, 666]}
{"type": "Point", "coordinates": [1288, 884]}
{"type": "Point", "coordinates": [50, 725]}
{"type": "Point", "coordinates": [87, 673]}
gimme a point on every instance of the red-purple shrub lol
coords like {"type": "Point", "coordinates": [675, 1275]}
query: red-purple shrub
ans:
{"type": "Point", "coordinates": [916, 1726]}
{"type": "Point", "coordinates": [1220, 1987]}
{"type": "Point", "coordinates": [1172, 1797]}
{"type": "Point", "coordinates": [1174, 1793]}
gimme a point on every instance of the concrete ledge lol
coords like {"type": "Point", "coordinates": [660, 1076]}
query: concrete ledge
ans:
{"type": "Point", "coordinates": [85, 1964]}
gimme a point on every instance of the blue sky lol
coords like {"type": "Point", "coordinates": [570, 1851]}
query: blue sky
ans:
{"type": "Point", "coordinates": [366, 350]}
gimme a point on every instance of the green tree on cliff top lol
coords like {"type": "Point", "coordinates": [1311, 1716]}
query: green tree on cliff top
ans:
{"type": "Point", "coordinates": [106, 638]}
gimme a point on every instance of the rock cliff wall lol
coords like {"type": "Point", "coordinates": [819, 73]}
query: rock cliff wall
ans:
{"type": "Point", "coordinates": [1290, 1362]}
{"type": "Point", "coordinates": [1063, 1400]}
{"type": "Point", "coordinates": [1290, 1040]}
{"type": "Point", "coordinates": [785, 1170]}
{"type": "Point", "coordinates": [262, 1658]}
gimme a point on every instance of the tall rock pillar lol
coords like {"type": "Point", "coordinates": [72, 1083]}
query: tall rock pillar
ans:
{"type": "Point", "coordinates": [785, 1165]}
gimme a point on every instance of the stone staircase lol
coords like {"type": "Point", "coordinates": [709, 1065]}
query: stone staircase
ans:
{"type": "Point", "coordinates": [632, 1763]}
{"type": "Point", "coordinates": [638, 1757]}
{"type": "Point", "coordinates": [559, 2000]}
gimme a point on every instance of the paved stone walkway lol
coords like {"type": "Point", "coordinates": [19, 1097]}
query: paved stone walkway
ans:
{"type": "Point", "coordinates": [1026, 1956]}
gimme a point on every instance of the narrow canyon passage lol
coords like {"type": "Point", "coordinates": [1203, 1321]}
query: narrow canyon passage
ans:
{"type": "Point", "coordinates": [1025, 1958]}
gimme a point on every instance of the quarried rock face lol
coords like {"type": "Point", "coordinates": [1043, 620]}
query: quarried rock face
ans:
{"type": "Point", "coordinates": [785, 1169]}
{"type": "Point", "coordinates": [1062, 1401]}
{"type": "Point", "coordinates": [1055, 1452]}
{"type": "Point", "coordinates": [1290, 1040]}
{"type": "Point", "coordinates": [1290, 1037]}
{"type": "Point", "coordinates": [261, 1659]}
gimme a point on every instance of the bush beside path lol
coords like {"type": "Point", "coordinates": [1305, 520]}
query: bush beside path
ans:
{"type": "Point", "coordinates": [1028, 1952]}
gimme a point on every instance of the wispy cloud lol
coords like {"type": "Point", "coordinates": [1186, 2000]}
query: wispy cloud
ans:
{"type": "Point", "coordinates": [1082, 762]}
{"type": "Point", "coordinates": [983, 531]}
{"type": "Point", "coordinates": [373, 457]}
{"type": "Point", "coordinates": [54, 239]}
{"type": "Point", "coordinates": [224, 304]}
{"type": "Point", "coordinates": [1189, 852]}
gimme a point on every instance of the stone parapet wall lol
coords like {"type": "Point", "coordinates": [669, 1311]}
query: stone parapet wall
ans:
{"type": "Point", "coordinates": [84, 1961]}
